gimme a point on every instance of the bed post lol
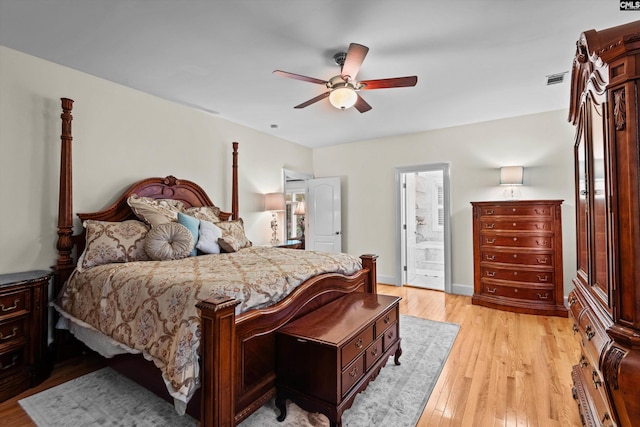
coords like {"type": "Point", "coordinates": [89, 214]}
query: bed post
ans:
{"type": "Point", "coordinates": [217, 357]}
{"type": "Point", "coordinates": [234, 183]}
{"type": "Point", "coordinates": [369, 262]}
{"type": "Point", "coordinates": [64, 264]}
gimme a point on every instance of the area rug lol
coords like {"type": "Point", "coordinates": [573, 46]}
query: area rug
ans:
{"type": "Point", "coordinates": [397, 397]}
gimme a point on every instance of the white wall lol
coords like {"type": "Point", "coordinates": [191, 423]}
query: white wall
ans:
{"type": "Point", "coordinates": [120, 136]}
{"type": "Point", "coordinates": [542, 143]}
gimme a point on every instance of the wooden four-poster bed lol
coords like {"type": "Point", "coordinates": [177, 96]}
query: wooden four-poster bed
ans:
{"type": "Point", "coordinates": [236, 343]}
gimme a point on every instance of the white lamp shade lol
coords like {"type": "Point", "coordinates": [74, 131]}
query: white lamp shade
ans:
{"type": "Point", "coordinates": [300, 208]}
{"type": "Point", "coordinates": [274, 202]}
{"type": "Point", "coordinates": [343, 98]}
{"type": "Point", "coordinates": [511, 175]}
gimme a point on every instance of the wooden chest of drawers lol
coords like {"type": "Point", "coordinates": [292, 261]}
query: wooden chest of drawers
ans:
{"type": "Point", "coordinates": [517, 252]}
{"type": "Point", "coordinates": [327, 357]}
{"type": "Point", "coordinates": [23, 331]}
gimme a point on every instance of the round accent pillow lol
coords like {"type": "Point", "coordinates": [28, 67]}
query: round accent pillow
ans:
{"type": "Point", "coordinates": [168, 241]}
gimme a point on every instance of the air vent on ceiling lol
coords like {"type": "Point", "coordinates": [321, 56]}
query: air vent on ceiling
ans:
{"type": "Point", "coordinates": [554, 79]}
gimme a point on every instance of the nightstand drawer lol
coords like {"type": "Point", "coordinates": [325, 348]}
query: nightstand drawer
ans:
{"type": "Point", "coordinates": [12, 360]}
{"type": "Point", "coordinates": [14, 303]}
{"type": "Point", "coordinates": [13, 330]}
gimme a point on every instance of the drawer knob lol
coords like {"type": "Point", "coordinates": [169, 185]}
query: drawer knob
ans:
{"type": "Point", "coordinates": [596, 379]}
{"type": "Point", "coordinates": [359, 343]}
{"type": "Point", "coordinates": [353, 372]}
{"type": "Point", "coordinates": [489, 212]}
{"type": "Point", "coordinates": [492, 291]}
{"type": "Point", "coordinates": [589, 332]}
{"type": "Point", "coordinates": [572, 300]}
{"type": "Point", "coordinates": [515, 239]}
{"type": "Point", "coordinates": [14, 306]}
{"type": "Point", "coordinates": [545, 296]}
{"type": "Point", "coordinates": [514, 224]}
{"type": "Point", "coordinates": [387, 319]}
{"type": "Point", "coordinates": [541, 260]}
{"type": "Point", "coordinates": [10, 365]}
{"type": "Point", "coordinates": [541, 242]}
{"type": "Point", "coordinates": [491, 257]}
{"type": "Point", "coordinates": [489, 226]}
{"type": "Point", "coordinates": [374, 352]}
{"type": "Point", "coordinates": [583, 361]}
{"type": "Point", "coordinates": [544, 278]}
{"type": "Point", "coordinates": [15, 332]}
{"type": "Point", "coordinates": [575, 330]}
{"type": "Point", "coordinates": [491, 273]}
{"type": "Point", "coordinates": [490, 241]}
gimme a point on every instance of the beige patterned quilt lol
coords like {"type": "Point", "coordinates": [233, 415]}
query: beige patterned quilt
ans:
{"type": "Point", "coordinates": [150, 305]}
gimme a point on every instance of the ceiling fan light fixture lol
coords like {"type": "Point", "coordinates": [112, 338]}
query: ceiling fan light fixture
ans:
{"type": "Point", "coordinates": [343, 98]}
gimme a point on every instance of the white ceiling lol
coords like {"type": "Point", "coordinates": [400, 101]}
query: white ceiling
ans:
{"type": "Point", "coordinates": [475, 60]}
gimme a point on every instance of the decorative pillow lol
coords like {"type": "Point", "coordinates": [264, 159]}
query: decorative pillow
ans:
{"type": "Point", "coordinates": [108, 242]}
{"type": "Point", "coordinates": [155, 211]}
{"type": "Point", "coordinates": [206, 213]}
{"type": "Point", "coordinates": [233, 238]}
{"type": "Point", "coordinates": [193, 225]}
{"type": "Point", "coordinates": [208, 236]}
{"type": "Point", "coordinates": [168, 241]}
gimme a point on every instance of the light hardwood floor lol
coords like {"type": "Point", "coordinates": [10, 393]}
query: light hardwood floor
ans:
{"type": "Point", "coordinates": [504, 369]}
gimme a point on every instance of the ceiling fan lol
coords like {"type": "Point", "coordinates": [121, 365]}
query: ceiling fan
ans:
{"type": "Point", "coordinates": [344, 88]}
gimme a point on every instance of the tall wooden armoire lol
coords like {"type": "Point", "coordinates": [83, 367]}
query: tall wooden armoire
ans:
{"type": "Point", "coordinates": [605, 303]}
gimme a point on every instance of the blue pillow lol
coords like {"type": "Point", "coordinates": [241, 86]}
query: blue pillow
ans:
{"type": "Point", "coordinates": [192, 224]}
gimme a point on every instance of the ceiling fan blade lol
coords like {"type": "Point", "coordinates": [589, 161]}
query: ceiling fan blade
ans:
{"type": "Point", "coordinates": [354, 59]}
{"type": "Point", "coordinates": [299, 77]}
{"type": "Point", "coordinates": [313, 100]}
{"type": "Point", "coordinates": [362, 105]}
{"type": "Point", "coordinates": [388, 83]}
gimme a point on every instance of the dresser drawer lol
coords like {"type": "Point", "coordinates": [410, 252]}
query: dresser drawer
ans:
{"type": "Point", "coordinates": [594, 338]}
{"type": "Point", "coordinates": [575, 306]}
{"type": "Point", "coordinates": [356, 346]}
{"type": "Point", "coordinates": [14, 303]}
{"type": "Point", "coordinates": [13, 330]}
{"type": "Point", "coordinates": [528, 210]}
{"type": "Point", "coordinates": [540, 259]}
{"type": "Point", "coordinates": [514, 274]}
{"type": "Point", "coordinates": [385, 321]}
{"type": "Point", "coordinates": [516, 225]}
{"type": "Point", "coordinates": [537, 294]}
{"type": "Point", "coordinates": [590, 381]}
{"type": "Point", "coordinates": [352, 374]}
{"type": "Point", "coordinates": [520, 241]}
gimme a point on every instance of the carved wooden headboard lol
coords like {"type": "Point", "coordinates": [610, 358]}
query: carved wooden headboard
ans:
{"type": "Point", "coordinates": [170, 187]}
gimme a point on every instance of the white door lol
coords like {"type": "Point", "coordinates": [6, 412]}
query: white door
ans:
{"type": "Point", "coordinates": [323, 219]}
{"type": "Point", "coordinates": [410, 226]}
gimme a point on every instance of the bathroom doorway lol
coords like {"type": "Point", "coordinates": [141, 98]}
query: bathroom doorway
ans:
{"type": "Point", "coordinates": [423, 226]}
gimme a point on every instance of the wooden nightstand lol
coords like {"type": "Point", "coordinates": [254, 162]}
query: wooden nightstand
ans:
{"type": "Point", "coordinates": [23, 331]}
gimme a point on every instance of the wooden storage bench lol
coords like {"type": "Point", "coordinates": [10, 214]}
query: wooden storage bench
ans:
{"type": "Point", "coordinates": [327, 357]}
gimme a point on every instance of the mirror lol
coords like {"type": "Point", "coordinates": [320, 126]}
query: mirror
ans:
{"type": "Point", "coordinates": [294, 184]}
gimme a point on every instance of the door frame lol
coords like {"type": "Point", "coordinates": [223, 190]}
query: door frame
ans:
{"type": "Point", "coordinates": [399, 201]}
